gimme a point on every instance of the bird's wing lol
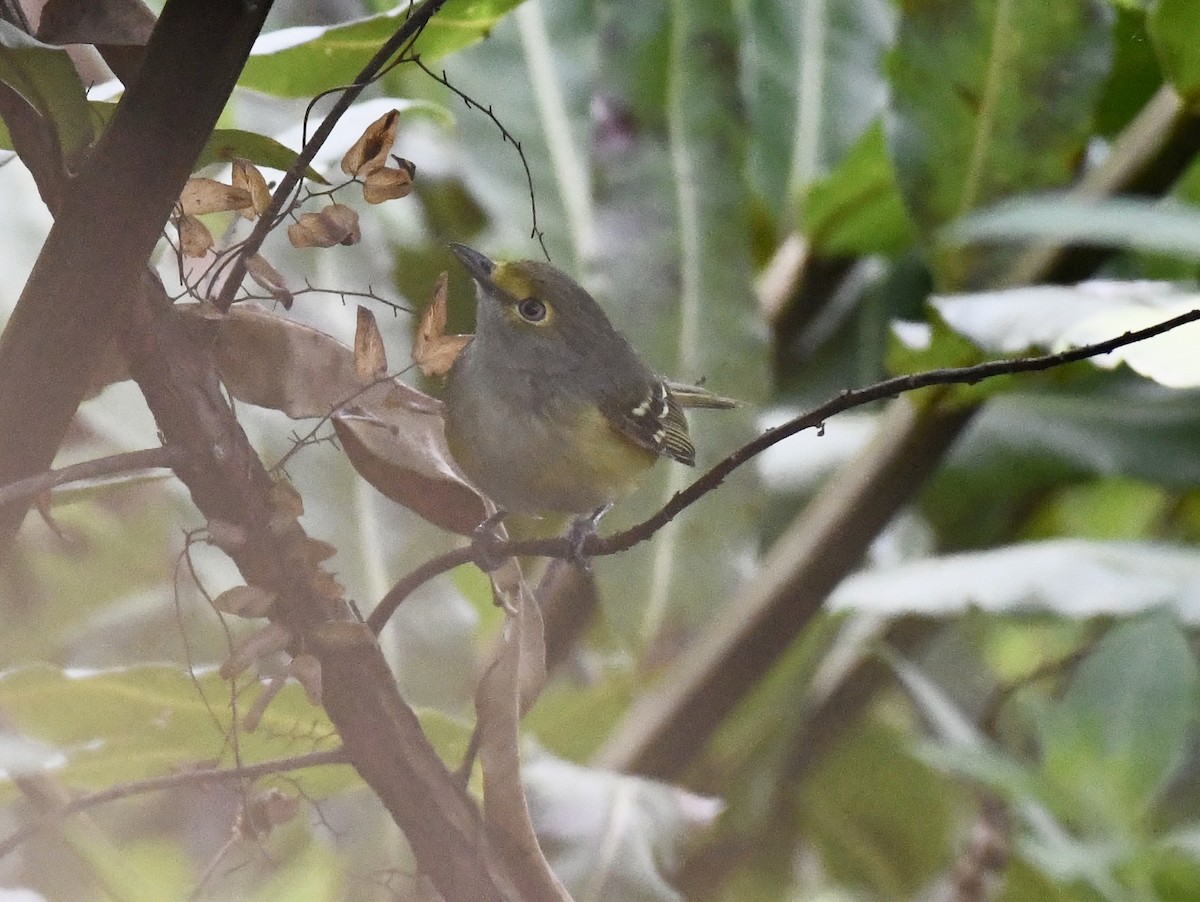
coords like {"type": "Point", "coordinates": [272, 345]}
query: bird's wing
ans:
{"type": "Point", "coordinates": [653, 421]}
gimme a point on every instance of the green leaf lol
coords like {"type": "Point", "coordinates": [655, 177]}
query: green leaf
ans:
{"type": "Point", "coordinates": [1068, 577]}
{"type": "Point", "coordinates": [126, 724]}
{"type": "Point", "coordinates": [1060, 317]}
{"type": "Point", "coordinates": [814, 84]}
{"type": "Point", "coordinates": [303, 61]}
{"type": "Point", "coordinates": [613, 836]}
{"type": "Point", "coordinates": [1132, 428]}
{"type": "Point", "coordinates": [857, 209]}
{"type": "Point", "coordinates": [46, 78]}
{"type": "Point", "coordinates": [225, 145]}
{"type": "Point", "coordinates": [1174, 27]}
{"type": "Point", "coordinates": [1126, 722]}
{"type": "Point", "coordinates": [991, 98]}
{"type": "Point", "coordinates": [893, 849]}
{"type": "Point", "coordinates": [1119, 222]}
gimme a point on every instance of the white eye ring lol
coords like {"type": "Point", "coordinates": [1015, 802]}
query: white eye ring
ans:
{"type": "Point", "coordinates": [532, 310]}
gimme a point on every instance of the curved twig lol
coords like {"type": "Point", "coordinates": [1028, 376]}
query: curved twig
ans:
{"type": "Point", "coordinates": [597, 546]}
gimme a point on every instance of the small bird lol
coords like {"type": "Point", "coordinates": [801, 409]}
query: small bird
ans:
{"type": "Point", "coordinates": [549, 409]}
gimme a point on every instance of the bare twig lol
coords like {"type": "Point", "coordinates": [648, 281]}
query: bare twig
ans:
{"type": "Point", "coordinates": [505, 134]}
{"type": "Point", "coordinates": [171, 781]}
{"type": "Point", "coordinates": [166, 457]}
{"type": "Point", "coordinates": [595, 546]}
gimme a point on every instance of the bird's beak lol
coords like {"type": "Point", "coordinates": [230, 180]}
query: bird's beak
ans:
{"type": "Point", "coordinates": [479, 266]}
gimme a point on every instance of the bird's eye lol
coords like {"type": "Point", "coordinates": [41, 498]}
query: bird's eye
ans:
{"type": "Point", "coordinates": [532, 310]}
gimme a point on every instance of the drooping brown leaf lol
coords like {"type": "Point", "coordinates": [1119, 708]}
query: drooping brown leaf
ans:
{"type": "Point", "coordinates": [202, 195]}
{"type": "Point", "coordinates": [392, 433]}
{"type": "Point", "coordinates": [386, 183]}
{"type": "Point", "coordinates": [336, 224]}
{"type": "Point", "coordinates": [285, 499]}
{"type": "Point", "coordinates": [509, 686]}
{"type": "Point", "coordinates": [306, 670]}
{"type": "Point", "coordinates": [268, 277]}
{"type": "Point", "coordinates": [370, 358]}
{"type": "Point", "coordinates": [271, 639]}
{"type": "Point", "coordinates": [399, 447]}
{"type": "Point", "coordinates": [195, 240]}
{"type": "Point", "coordinates": [371, 149]}
{"type": "Point", "coordinates": [119, 29]}
{"type": "Point", "coordinates": [87, 22]}
{"type": "Point", "coordinates": [434, 352]}
{"type": "Point", "coordinates": [245, 601]}
{"type": "Point", "coordinates": [247, 177]}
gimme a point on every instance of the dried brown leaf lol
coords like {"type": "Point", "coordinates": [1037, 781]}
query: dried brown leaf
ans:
{"type": "Point", "coordinates": [271, 639]}
{"type": "Point", "coordinates": [245, 601]}
{"type": "Point", "coordinates": [401, 450]}
{"type": "Point", "coordinates": [386, 183]}
{"type": "Point", "coordinates": [247, 177]}
{"type": "Point", "coordinates": [371, 149]}
{"type": "Point", "coordinates": [202, 195]}
{"type": "Point", "coordinates": [269, 278]}
{"type": "Point", "coordinates": [508, 688]}
{"type": "Point", "coordinates": [286, 499]}
{"type": "Point", "coordinates": [306, 670]}
{"type": "Point", "coordinates": [434, 352]}
{"type": "Point", "coordinates": [370, 358]}
{"type": "Point", "coordinates": [317, 550]}
{"type": "Point", "coordinates": [336, 224]}
{"type": "Point", "coordinates": [229, 537]}
{"type": "Point", "coordinates": [119, 22]}
{"type": "Point", "coordinates": [195, 240]}
{"type": "Point", "coordinates": [271, 361]}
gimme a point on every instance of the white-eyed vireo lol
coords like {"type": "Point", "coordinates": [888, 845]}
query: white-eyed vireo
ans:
{"type": "Point", "coordinates": [549, 409]}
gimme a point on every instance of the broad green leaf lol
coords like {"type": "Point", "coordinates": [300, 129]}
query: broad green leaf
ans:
{"type": "Point", "coordinates": [117, 725]}
{"type": "Point", "coordinates": [46, 78]}
{"type": "Point", "coordinates": [857, 209]}
{"type": "Point", "coordinates": [1126, 722]}
{"type": "Point", "coordinates": [613, 836]}
{"type": "Point", "coordinates": [813, 80]}
{"type": "Point", "coordinates": [893, 849]}
{"type": "Point", "coordinates": [1067, 577]}
{"type": "Point", "coordinates": [1129, 223]}
{"type": "Point", "coordinates": [1174, 26]}
{"type": "Point", "coordinates": [991, 98]}
{"type": "Point", "coordinates": [1061, 317]}
{"type": "Point", "coordinates": [1135, 73]}
{"type": "Point", "coordinates": [1125, 426]}
{"type": "Point", "coordinates": [223, 145]}
{"type": "Point", "coordinates": [306, 60]}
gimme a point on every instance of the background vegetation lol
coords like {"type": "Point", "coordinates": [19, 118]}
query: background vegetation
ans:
{"type": "Point", "coordinates": [942, 648]}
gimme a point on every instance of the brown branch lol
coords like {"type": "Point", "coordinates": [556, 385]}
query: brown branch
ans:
{"type": "Point", "coordinates": [596, 546]}
{"type": "Point", "coordinates": [150, 458]}
{"type": "Point", "coordinates": [103, 234]}
{"type": "Point", "coordinates": [403, 37]}
{"type": "Point", "coordinates": [171, 781]}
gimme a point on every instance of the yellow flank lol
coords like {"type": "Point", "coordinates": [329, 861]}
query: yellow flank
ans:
{"type": "Point", "coordinates": [599, 462]}
{"type": "Point", "coordinates": [512, 278]}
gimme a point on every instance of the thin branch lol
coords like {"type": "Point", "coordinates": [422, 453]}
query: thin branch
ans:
{"type": "Point", "coordinates": [505, 135]}
{"type": "Point", "coordinates": [172, 781]}
{"type": "Point", "coordinates": [166, 457]}
{"type": "Point", "coordinates": [408, 31]}
{"type": "Point", "coordinates": [595, 546]}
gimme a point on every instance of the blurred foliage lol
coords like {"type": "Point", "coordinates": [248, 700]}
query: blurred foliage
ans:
{"type": "Point", "coordinates": [680, 152]}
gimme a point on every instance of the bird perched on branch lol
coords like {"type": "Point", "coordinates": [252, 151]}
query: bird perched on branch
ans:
{"type": "Point", "coordinates": [549, 409]}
